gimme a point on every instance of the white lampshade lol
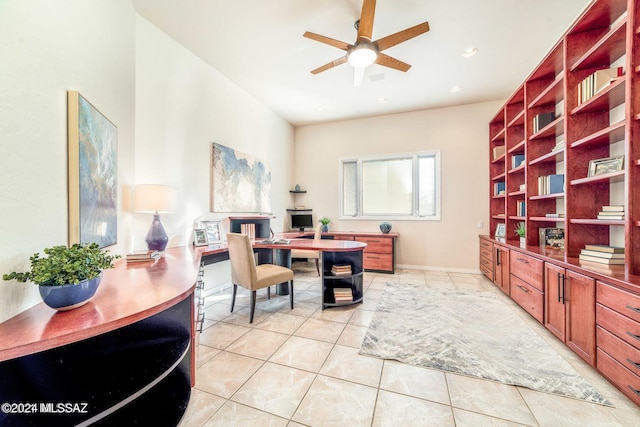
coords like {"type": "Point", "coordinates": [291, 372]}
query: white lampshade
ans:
{"type": "Point", "coordinates": [362, 54]}
{"type": "Point", "coordinates": [155, 198]}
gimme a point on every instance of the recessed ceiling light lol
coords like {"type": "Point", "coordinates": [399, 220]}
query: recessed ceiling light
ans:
{"type": "Point", "coordinates": [469, 52]}
{"type": "Point", "coordinates": [456, 88]}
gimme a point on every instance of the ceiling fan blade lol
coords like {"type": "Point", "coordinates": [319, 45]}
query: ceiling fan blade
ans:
{"type": "Point", "coordinates": [327, 40]}
{"type": "Point", "coordinates": [358, 75]}
{"type": "Point", "coordinates": [330, 65]}
{"type": "Point", "coordinates": [400, 36]}
{"type": "Point", "coordinates": [365, 27]}
{"type": "Point", "coordinates": [390, 62]}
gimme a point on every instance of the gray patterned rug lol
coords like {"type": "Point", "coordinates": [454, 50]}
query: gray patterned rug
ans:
{"type": "Point", "coordinates": [471, 333]}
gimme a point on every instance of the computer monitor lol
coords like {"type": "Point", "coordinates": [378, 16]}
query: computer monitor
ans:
{"type": "Point", "coordinates": [301, 221]}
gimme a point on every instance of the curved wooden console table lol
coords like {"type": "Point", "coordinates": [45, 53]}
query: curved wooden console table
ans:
{"type": "Point", "coordinates": [125, 357]}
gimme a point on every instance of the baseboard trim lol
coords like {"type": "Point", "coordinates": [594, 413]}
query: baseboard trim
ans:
{"type": "Point", "coordinates": [440, 269]}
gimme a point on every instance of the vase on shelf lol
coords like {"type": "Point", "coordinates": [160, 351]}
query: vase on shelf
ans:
{"type": "Point", "coordinates": [523, 242]}
{"type": "Point", "coordinates": [385, 227]}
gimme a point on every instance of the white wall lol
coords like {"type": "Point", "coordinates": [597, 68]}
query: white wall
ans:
{"type": "Point", "coordinates": [48, 48]}
{"type": "Point", "coordinates": [460, 133]}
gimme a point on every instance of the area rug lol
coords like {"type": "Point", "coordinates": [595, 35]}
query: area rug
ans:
{"type": "Point", "coordinates": [471, 333]}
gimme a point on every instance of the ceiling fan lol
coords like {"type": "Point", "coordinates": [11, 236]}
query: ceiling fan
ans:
{"type": "Point", "coordinates": [364, 51]}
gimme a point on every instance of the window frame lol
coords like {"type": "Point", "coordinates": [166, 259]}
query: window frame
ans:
{"type": "Point", "coordinates": [415, 156]}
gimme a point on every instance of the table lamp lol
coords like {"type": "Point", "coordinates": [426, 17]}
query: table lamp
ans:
{"type": "Point", "coordinates": [156, 199]}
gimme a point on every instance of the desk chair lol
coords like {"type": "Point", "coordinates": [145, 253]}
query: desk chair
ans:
{"type": "Point", "coordinates": [307, 253]}
{"type": "Point", "coordinates": [246, 273]}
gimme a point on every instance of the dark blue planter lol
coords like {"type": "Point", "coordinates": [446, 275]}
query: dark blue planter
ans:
{"type": "Point", "coordinates": [68, 297]}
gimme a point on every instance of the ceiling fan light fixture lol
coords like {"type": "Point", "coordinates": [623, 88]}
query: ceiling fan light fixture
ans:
{"type": "Point", "coordinates": [362, 55]}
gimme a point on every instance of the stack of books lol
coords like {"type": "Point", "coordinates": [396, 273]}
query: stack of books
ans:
{"type": "Point", "coordinates": [498, 188]}
{"type": "Point", "coordinates": [341, 270]}
{"type": "Point", "coordinates": [597, 81]}
{"type": "Point", "coordinates": [142, 256]}
{"type": "Point", "coordinates": [521, 208]}
{"type": "Point", "coordinates": [602, 254]}
{"type": "Point", "coordinates": [554, 215]}
{"type": "Point", "coordinates": [550, 184]}
{"type": "Point", "coordinates": [342, 295]}
{"type": "Point", "coordinates": [249, 230]}
{"type": "Point", "coordinates": [517, 160]}
{"type": "Point", "coordinates": [611, 212]}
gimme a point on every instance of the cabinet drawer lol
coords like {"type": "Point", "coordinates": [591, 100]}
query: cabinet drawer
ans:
{"type": "Point", "coordinates": [486, 263]}
{"type": "Point", "coordinates": [373, 261]}
{"type": "Point", "coordinates": [527, 297]}
{"type": "Point", "coordinates": [486, 253]}
{"type": "Point", "coordinates": [487, 271]}
{"type": "Point", "coordinates": [626, 355]}
{"type": "Point", "coordinates": [624, 328]}
{"type": "Point", "coordinates": [485, 244]}
{"type": "Point", "coordinates": [383, 245]}
{"type": "Point", "coordinates": [340, 237]}
{"type": "Point", "coordinates": [621, 301]}
{"type": "Point", "coordinates": [527, 268]}
{"type": "Point", "coordinates": [624, 379]}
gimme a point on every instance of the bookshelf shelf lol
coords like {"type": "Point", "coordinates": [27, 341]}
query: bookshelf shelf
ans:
{"type": "Point", "coordinates": [545, 219]}
{"type": "Point", "coordinates": [611, 176]}
{"type": "Point", "coordinates": [608, 98]}
{"type": "Point", "coordinates": [591, 221]}
{"type": "Point", "coordinates": [547, 196]}
{"type": "Point", "coordinates": [606, 136]}
{"type": "Point", "coordinates": [610, 47]}
{"type": "Point", "coordinates": [552, 157]}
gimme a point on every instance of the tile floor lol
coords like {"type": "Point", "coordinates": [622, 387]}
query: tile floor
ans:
{"type": "Point", "coordinates": [301, 367]}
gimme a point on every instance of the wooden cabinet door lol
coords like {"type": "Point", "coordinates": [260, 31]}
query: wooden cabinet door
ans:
{"type": "Point", "coordinates": [501, 268]}
{"type": "Point", "coordinates": [555, 315]}
{"type": "Point", "coordinates": [580, 296]}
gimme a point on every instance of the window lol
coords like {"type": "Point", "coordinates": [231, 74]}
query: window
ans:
{"type": "Point", "coordinates": [403, 186]}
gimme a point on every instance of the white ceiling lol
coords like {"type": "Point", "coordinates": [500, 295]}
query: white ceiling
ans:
{"type": "Point", "coordinates": [258, 44]}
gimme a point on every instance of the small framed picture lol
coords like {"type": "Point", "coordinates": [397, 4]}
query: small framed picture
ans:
{"type": "Point", "coordinates": [606, 165]}
{"type": "Point", "coordinates": [200, 237]}
{"type": "Point", "coordinates": [214, 231]}
{"type": "Point", "coordinates": [501, 230]}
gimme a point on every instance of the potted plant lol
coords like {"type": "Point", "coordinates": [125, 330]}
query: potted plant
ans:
{"type": "Point", "coordinates": [68, 276]}
{"type": "Point", "coordinates": [521, 231]}
{"type": "Point", "coordinates": [325, 220]}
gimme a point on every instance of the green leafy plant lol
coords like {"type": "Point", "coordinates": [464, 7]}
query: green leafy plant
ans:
{"type": "Point", "coordinates": [521, 229]}
{"type": "Point", "coordinates": [65, 265]}
{"type": "Point", "coordinates": [325, 220]}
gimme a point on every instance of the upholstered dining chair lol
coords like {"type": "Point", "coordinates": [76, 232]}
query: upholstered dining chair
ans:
{"type": "Point", "coordinates": [246, 273]}
{"type": "Point", "coordinates": [308, 253]}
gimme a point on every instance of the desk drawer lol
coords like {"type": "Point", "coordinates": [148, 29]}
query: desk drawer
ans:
{"type": "Point", "coordinates": [374, 261]}
{"type": "Point", "coordinates": [527, 268]}
{"type": "Point", "coordinates": [626, 355]}
{"type": "Point", "coordinates": [340, 237]}
{"type": "Point", "coordinates": [624, 328]}
{"type": "Point", "coordinates": [527, 297]}
{"type": "Point", "coordinates": [618, 300]}
{"type": "Point", "coordinates": [381, 245]}
{"type": "Point", "coordinates": [624, 379]}
{"type": "Point", "coordinates": [485, 244]}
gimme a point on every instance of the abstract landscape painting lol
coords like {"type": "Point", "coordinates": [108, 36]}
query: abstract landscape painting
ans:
{"type": "Point", "coordinates": [93, 171]}
{"type": "Point", "coordinates": [239, 182]}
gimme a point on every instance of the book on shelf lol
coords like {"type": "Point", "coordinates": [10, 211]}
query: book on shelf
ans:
{"type": "Point", "coordinates": [550, 184]}
{"type": "Point", "coordinates": [523, 187]}
{"type": "Point", "coordinates": [341, 270]}
{"type": "Point", "coordinates": [541, 120]}
{"type": "Point", "coordinates": [342, 294]}
{"type": "Point", "coordinates": [141, 256]}
{"type": "Point", "coordinates": [597, 81]}
{"type": "Point", "coordinates": [613, 208]}
{"type": "Point", "coordinates": [553, 237]}
{"type": "Point", "coordinates": [601, 254]}
{"type": "Point", "coordinates": [517, 160]}
{"type": "Point", "coordinates": [559, 145]}
{"type": "Point", "coordinates": [554, 215]}
{"type": "Point", "coordinates": [521, 208]}
{"type": "Point", "coordinates": [499, 188]}
{"type": "Point", "coordinates": [610, 217]}
{"type": "Point", "coordinates": [605, 248]}
{"type": "Point", "coordinates": [600, 260]}
{"type": "Point", "coordinates": [498, 151]}
{"type": "Point", "coordinates": [249, 230]}
{"type": "Point", "coordinates": [597, 267]}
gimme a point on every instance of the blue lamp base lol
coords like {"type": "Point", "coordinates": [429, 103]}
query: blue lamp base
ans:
{"type": "Point", "coordinates": [157, 238]}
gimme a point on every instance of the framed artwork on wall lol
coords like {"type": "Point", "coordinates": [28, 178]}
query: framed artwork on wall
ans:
{"type": "Point", "coordinates": [239, 182]}
{"type": "Point", "coordinates": [93, 174]}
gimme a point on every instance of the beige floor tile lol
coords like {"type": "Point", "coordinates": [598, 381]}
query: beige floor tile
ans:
{"type": "Point", "coordinates": [218, 311]}
{"type": "Point", "coordinates": [233, 414]}
{"type": "Point", "coordinates": [336, 314]}
{"type": "Point", "coordinates": [205, 353]}
{"type": "Point", "coordinates": [472, 419]}
{"type": "Point", "coordinates": [414, 381]}
{"type": "Point", "coordinates": [302, 353]}
{"type": "Point", "coordinates": [285, 390]}
{"type": "Point", "coordinates": [258, 343]}
{"type": "Point", "coordinates": [488, 398]}
{"type": "Point", "coordinates": [361, 317]}
{"type": "Point", "coordinates": [201, 407]}
{"type": "Point", "coordinates": [352, 335]}
{"type": "Point", "coordinates": [222, 334]}
{"type": "Point", "coordinates": [282, 323]}
{"type": "Point", "coordinates": [557, 411]}
{"type": "Point", "coordinates": [225, 373]}
{"type": "Point", "coordinates": [332, 402]}
{"type": "Point", "coordinates": [303, 309]}
{"type": "Point", "coordinates": [322, 330]}
{"type": "Point", "coordinates": [394, 409]}
{"type": "Point", "coordinates": [345, 363]}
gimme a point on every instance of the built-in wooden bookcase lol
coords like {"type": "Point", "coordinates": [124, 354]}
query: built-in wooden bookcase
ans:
{"type": "Point", "coordinates": [606, 35]}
